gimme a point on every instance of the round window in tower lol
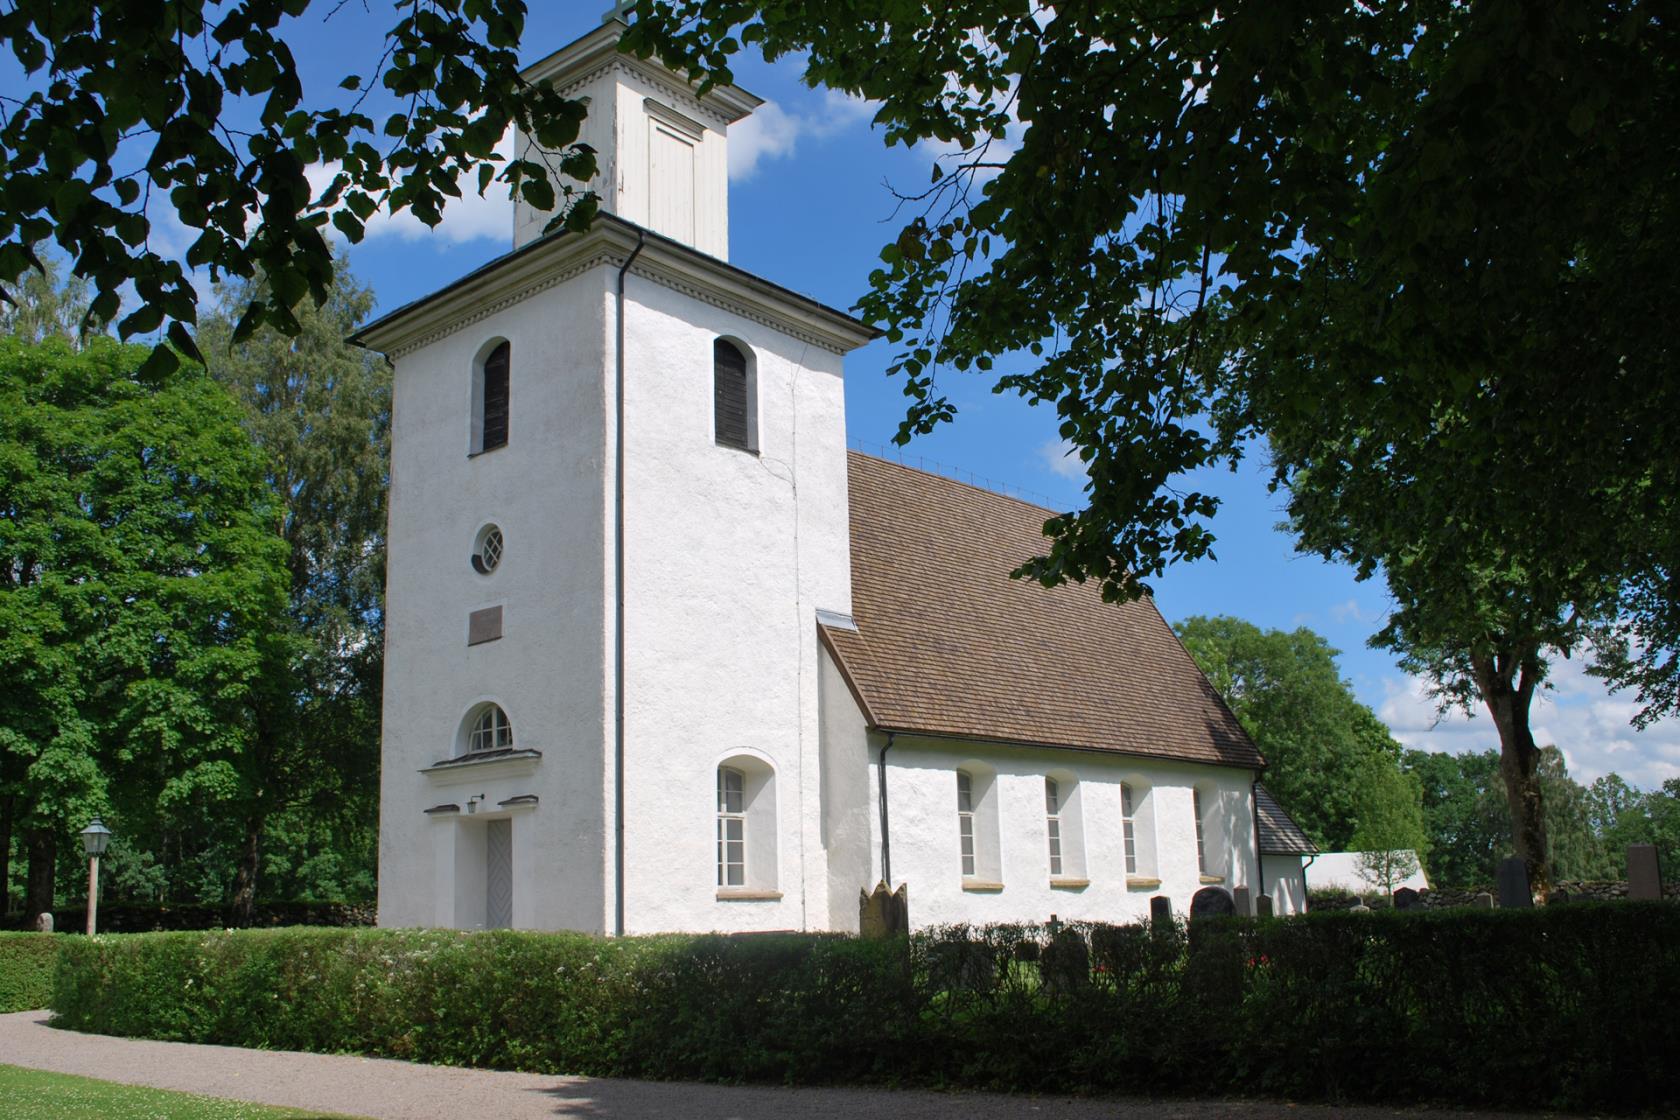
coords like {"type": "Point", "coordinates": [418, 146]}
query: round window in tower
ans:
{"type": "Point", "coordinates": [487, 550]}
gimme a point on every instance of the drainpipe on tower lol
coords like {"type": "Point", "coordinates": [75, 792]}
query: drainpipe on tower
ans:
{"type": "Point", "coordinates": [618, 605]}
{"type": "Point", "coordinates": [1259, 858]}
{"type": "Point", "coordinates": [886, 846]}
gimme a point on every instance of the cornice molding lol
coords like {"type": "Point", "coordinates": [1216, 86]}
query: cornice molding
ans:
{"type": "Point", "coordinates": [554, 260]}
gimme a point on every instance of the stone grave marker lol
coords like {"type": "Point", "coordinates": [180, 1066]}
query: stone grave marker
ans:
{"type": "Point", "coordinates": [1406, 899]}
{"type": "Point", "coordinates": [1243, 902]}
{"type": "Point", "coordinates": [883, 913]}
{"type": "Point", "coordinates": [1211, 902]}
{"type": "Point", "coordinates": [1483, 901]}
{"type": "Point", "coordinates": [1514, 892]}
{"type": "Point", "coordinates": [43, 923]}
{"type": "Point", "coordinates": [1644, 874]}
{"type": "Point", "coordinates": [1065, 964]}
{"type": "Point", "coordinates": [1359, 908]}
{"type": "Point", "coordinates": [1160, 911]}
{"type": "Point", "coordinates": [1263, 905]}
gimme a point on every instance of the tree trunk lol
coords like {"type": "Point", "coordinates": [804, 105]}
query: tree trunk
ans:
{"type": "Point", "coordinates": [1507, 684]}
{"type": "Point", "coordinates": [7, 804]}
{"type": "Point", "coordinates": [43, 854]}
{"type": "Point", "coordinates": [245, 879]}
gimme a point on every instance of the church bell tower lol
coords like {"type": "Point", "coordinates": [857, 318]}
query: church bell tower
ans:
{"type": "Point", "coordinates": [662, 151]}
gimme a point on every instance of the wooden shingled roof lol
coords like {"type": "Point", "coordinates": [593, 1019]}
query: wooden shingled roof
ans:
{"type": "Point", "coordinates": [1279, 834]}
{"type": "Point", "coordinates": [948, 645]}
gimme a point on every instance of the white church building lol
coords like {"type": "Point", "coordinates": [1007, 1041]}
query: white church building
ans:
{"type": "Point", "coordinates": [662, 654]}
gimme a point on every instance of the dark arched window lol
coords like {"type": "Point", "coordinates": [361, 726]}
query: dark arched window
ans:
{"type": "Point", "coordinates": [493, 400]}
{"type": "Point", "coordinates": [731, 396]}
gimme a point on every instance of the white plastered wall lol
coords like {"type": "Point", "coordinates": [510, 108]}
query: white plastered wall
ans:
{"type": "Point", "coordinates": [848, 799]}
{"type": "Point", "coordinates": [1286, 882]}
{"type": "Point", "coordinates": [921, 777]}
{"type": "Point", "coordinates": [545, 489]}
{"type": "Point", "coordinates": [729, 555]}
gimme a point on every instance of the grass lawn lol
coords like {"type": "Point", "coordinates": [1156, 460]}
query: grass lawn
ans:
{"type": "Point", "coordinates": [34, 1095]}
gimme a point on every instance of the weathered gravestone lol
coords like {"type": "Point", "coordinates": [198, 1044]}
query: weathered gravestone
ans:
{"type": "Point", "coordinates": [1263, 905]}
{"type": "Point", "coordinates": [1406, 899]}
{"type": "Point", "coordinates": [1160, 911]}
{"type": "Point", "coordinates": [1242, 902]}
{"type": "Point", "coordinates": [1359, 908]}
{"type": "Point", "coordinates": [1483, 901]}
{"type": "Point", "coordinates": [43, 923]}
{"type": "Point", "coordinates": [1211, 902]}
{"type": "Point", "coordinates": [1065, 964]}
{"type": "Point", "coordinates": [883, 913]}
{"type": "Point", "coordinates": [1644, 873]}
{"type": "Point", "coordinates": [1513, 884]}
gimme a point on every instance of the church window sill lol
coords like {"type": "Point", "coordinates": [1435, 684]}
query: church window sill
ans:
{"type": "Point", "coordinates": [1141, 883]}
{"type": "Point", "coordinates": [737, 894]}
{"type": "Point", "coordinates": [1069, 884]}
{"type": "Point", "coordinates": [1211, 879]}
{"type": "Point", "coordinates": [981, 886]}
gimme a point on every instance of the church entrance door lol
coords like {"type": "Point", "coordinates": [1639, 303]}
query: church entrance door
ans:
{"type": "Point", "coordinates": [498, 876]}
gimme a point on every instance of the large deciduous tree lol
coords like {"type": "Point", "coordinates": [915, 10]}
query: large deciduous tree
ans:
{"type": "Point", "coordinates": [1421, 251]}
{"type": "Point", "coordinates": [319, 409]}
{"type": "Point", "coordinates": [140, 586]}
{"type": "Point", "coordinates": [1330, 761]}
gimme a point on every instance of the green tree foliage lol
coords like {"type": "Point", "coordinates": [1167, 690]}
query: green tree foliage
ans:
{"type": "Point", "coordinates": [1330, 762]}
{"type": "Point", "coordinates": [1422, 250]}
{"type": "Point", "coordinates": [139, 589]}
{"type": "Point", "coordinates": [1589, 827]}
{"type": "Point", "coordinates": [200, 107]}
{"type": "Point", "coordinates": [45, 307]}
{"type": "Point", "coordinates": [320, 411]}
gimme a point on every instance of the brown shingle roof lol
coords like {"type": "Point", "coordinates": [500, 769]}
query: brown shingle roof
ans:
{"type": "Point", "coordinates": [1279, 834]}
{"type": "Point", "coordinates": [948, 644]}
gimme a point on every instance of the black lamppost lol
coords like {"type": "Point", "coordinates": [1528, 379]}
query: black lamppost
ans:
{"type": "Point", "coordinates": [95, 838]}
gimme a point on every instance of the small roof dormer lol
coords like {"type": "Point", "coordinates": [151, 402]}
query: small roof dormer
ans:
{"type": "Point", "coordinates": [662, 152]}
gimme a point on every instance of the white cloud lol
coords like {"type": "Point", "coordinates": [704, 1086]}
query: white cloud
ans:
{"type": "Point", "coordinates": [1349, 610]}
{"type": "Point", "coordinates": [1059, 455]}
{"type": "Point", "coordinates": [1578, 714]}
{"type": "Point", "coordinates": [468, 218]}
{"type": "Point", "coordinates": [772, 132]}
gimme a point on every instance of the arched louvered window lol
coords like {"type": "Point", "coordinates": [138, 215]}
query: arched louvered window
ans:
{"type": "Point", "coordinates": [493, 400]}
{"type": "Point", "coordinates": [731, 396]}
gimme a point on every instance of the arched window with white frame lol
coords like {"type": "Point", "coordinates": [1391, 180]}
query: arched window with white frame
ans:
{"type": "Point", "coordinates": [1137, 832]}
{"type": "Point", "coordinates": [1128, 828]}
{"type": "Point", "coordinates": [487, 728]}
{"type": "Point", "coordinates": [1064, 829]}
{"type": "Point", "coordinates": [980, 858]}
{"type": "Point", "coordinates": [746, 827]}
{"type": "Point", "coordinates": [731, 827]}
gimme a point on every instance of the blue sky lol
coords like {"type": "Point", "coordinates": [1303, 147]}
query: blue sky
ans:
{"type": "Point", "coordinates": [810, 209]}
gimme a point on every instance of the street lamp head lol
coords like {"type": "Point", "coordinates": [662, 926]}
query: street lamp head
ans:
{"type": "Point", "coordinates": [95, 838]}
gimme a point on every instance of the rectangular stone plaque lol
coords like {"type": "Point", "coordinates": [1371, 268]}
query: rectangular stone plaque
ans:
{"type": "Point", "coordinates": [1644, 876]}
{"type": "Point", "coordinates": [484, 626]}
{"type": "Point", "coordinates": [1244, 904]}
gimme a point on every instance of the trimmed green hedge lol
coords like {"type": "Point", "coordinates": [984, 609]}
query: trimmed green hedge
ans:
{"type": "Point", "coordinates": [26, 970]}
{"type": "Point", "coordinates": [1561, 1007]}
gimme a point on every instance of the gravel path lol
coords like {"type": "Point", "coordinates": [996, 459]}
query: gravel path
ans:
{"type": "Point", "coordinates": [388, 1090]}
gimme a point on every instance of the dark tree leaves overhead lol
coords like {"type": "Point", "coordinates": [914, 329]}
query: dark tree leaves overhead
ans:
{"type": "Point", "coordinates": [198, 107]}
